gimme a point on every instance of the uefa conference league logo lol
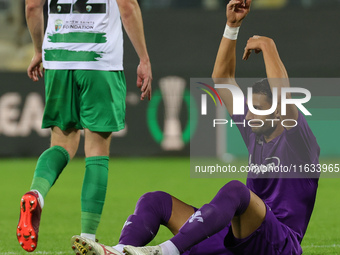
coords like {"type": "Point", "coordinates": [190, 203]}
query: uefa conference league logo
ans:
{"type": "Point", "coordinates": [174, 135]}
{"type": "Point", "coordinates": [172, 89]}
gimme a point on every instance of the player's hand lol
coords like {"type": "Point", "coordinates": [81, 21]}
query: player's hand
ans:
{"type": "Point", "coordinates": [144, 79]}
{"type": "Point", "coordinates": [34, 70]}
{"type": "Point", "coordinates": [237, 10]}
{"type": "Point", "coordinates": [256, 44]}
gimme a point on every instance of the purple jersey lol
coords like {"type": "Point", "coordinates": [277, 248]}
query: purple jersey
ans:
{"type": "Point", "coordinates": [290, 199]}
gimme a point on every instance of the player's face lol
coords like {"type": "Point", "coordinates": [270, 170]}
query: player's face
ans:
{"type": "Point", "coordinates": [259, 123]}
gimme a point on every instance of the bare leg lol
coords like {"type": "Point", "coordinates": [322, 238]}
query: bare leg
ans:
{"type": "Point", "coordinates": [242, 225]}
{"type": "Point", "coordinates": [97, 144]}
{"type": "Point", "coordinates": [68, 139]}
{"type": "Point", "coordinates": [179, 215]}
{"type": "Point", "coordinates": [245, 224]}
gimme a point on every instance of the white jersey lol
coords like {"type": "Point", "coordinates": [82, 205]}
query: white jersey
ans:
{"type": "Point", "coordinates": [83, 34]}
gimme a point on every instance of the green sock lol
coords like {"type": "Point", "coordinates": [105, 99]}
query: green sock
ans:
{"type": "Point", "coordinates": [49, 166]}
{"type": "Point", "coordinates": [93, 193]}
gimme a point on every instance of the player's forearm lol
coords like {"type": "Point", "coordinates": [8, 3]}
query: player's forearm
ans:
{"type": "Point", "coordinates": [35, 23]}
{"type": "Point", "coordinates": [272, 60]}
{"type": "Point", "coordinates": [277, 75]}
{"type": "Point", "coordinates": [133, 25]}
{"type": "Point", "coordinates": [224, 70]}
{"type": "Point", "coordinates": [225, 60]}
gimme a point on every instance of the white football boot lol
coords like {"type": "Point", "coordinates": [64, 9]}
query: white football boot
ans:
{"type": "Point", "coordinates": [146, 250]}
{"type": "Point", "coordinates": [81, 245]}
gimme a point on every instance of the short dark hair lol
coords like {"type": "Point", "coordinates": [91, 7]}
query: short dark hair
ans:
{"type": "Point", "coordinates": [263, 87]}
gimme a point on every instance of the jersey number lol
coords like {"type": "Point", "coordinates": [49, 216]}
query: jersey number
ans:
{"type": "Point", "coordinates": [79, 6]}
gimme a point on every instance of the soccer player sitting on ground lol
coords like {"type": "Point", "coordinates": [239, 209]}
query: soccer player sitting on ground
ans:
{"type": "Point", "coordinates": [82, 54]}
{"type": "Point", "coordinates": [266, 216]}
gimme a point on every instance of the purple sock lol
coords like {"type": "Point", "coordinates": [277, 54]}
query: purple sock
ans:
{"type": "Point", "coordinates": [232, 199]}
{"type": "Point", "coordinates": [152, 210]}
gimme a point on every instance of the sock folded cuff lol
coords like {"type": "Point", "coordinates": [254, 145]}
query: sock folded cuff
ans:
{"type": "Point", "coordinates": [89, 222]}
{"type": "Point", "coordinates": [63, 151]}
{"type": "Point", "coordinates": [97, 160]}
{"type": "Point", "coordinates": [41, 185]}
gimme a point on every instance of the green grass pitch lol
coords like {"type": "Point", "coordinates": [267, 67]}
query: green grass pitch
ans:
{"type": "Point", "coordinates": [129, 178]}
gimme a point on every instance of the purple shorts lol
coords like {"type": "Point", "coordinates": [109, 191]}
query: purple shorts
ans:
{"type": "Point", "coordinates": [271, 238]}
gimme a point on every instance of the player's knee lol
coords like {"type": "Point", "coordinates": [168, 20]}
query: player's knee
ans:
{"type": "Point", "coordinates": [158, 203]}
{"type": "Point", "coordinates": [70, 148]}
{"type": "Point", "coordinates": [236, 192]}
{"type": "Point", "coordinates": [69, 143]}
{"type": "Point", "coordinates": [153, 199]}
{"type": "Point", "coordinates": [233, 187]}
{"type": "Point", "coordinates": [236, 185]}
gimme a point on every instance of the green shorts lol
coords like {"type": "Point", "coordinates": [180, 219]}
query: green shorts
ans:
{"type": "Point", "coordinates": [85, 99]}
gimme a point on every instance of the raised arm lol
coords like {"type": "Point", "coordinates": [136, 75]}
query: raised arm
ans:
{"type": "Point", "coordinates": [276, 71]}
{"type": "Point", "coordinates": [225, 63]}
{"type": "Point", "coordinates": [35, 23]}
{"type": "Point", "coordinates": [133, 24]}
